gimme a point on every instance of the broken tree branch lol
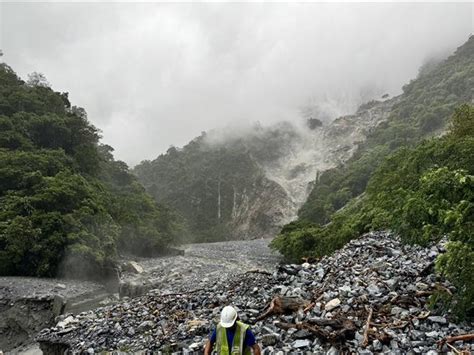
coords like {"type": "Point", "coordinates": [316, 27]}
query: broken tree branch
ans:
{"type": "Point", "coordinates": [320, 333]}
{"type": "Point", "coordinates": [345, 329]}
{"type": "Point", "coordinates": [463, 337]}
{"type": "Point", "coordinates": [310, 307]}
{"type": "Point", "coordinates": [365, 342]}
{"type": "Point", "coordinates": [453, 348]}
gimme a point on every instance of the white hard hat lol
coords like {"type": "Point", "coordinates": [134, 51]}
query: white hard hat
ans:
{"type": "Point", "coordinates": [228, 316]}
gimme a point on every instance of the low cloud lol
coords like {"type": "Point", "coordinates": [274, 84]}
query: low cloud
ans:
{"type": "Point", "coordinates": [154, 75]}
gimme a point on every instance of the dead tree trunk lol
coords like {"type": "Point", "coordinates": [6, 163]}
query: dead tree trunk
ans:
{"type": "Point", "coordinates": [282, 305]}
{"type": "Point", "coordinates": [343, 330]}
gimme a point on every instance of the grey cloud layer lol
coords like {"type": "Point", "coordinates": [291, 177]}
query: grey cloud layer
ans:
{"type": "Point", "coordinates": [152, 75]}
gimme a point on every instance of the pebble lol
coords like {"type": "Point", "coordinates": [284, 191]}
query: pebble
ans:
{"type": "Point", "coordinates": [377, 345]}
{"type": "Point", "coordinates": [332, 304]}
{"type": "Point", "coordinates": [269, 339]}
{"type": "Point", "coordinates": [438, 319]}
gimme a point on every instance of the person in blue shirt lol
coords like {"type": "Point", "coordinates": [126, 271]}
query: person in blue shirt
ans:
{"type": "Point", "coordinates": [231, 337]}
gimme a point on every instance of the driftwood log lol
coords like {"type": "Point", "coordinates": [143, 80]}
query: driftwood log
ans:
{"type": "Point", "coordinates": [320, 333]}
{"type": "Point", "coordinates": [283, 305]}
{"type": "Point", "coordinates": [343, 329]}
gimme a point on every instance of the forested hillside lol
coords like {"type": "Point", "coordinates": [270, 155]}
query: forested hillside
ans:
{"type": "Point", "coordinates": [66, 206]}
{"type": "Point", "coordinates": [246, 183]}
{"type": "Point", "coordinates": [421, 189]}
{"type": "Point", "coordinates": [220, 188]}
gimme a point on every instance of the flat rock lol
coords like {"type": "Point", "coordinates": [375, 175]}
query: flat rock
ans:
{"type": "Point", "coordinates": [301, 343]}
{"type": "Point", "coordinates": [438, 319]}
{"type": "Point", "coordinates": [332, 304]}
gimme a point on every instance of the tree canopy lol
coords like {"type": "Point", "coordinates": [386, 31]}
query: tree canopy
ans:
{"type": "Point", "coordinates": [66, 206]}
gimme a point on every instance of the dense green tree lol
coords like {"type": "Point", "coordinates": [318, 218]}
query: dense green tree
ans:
{"type": "Point", "coordinates": [66, 206]}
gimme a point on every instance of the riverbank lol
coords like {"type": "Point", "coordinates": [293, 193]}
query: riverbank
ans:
{"type": "Point", "coordinates": [28, 305]}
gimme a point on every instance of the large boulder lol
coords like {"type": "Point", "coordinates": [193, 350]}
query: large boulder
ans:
{"type": "Point", "coordinates": [133, 267]}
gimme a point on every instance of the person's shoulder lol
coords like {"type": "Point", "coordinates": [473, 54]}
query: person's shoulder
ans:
{"type": "Point", "coordinates": [250, 338]}
{"type": "Point", "coordinates": [213, 335]}
{"type": "Point", "coordinates": [250, 332]}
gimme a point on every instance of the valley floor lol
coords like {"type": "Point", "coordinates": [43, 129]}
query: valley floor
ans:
{"type": "Point", "coordinates": [28, 304]}
{"type": "Point", "coordinates": [374, 280]}
{"type": "Point", "coordinates": [202, 265]}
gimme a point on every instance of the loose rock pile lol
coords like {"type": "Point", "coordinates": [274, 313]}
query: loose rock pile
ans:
{"type": "Point", "coordinates": [369, 297]}
{"type": "Point", "coordinates": [202, 264]}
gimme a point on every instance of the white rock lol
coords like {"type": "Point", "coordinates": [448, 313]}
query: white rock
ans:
{"type": "Point", "coordinates": [65, 322]}
{"type": "Point", "coordinates": [134, 267]}
{"type": "Point", "coordinates": [377, 345]}
{"type": "Point", "coordinates": [301, 343]}
{"type": "Point", "coordinates": [373, 289]}
{"type": "Point", "coordinates": [195, 346]}
{"type": "Point", "coordinates": [345, 288]}
{"type": "Point", "coordinates": [332, 304]}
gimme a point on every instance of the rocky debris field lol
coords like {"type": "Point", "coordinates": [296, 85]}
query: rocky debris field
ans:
{"type": "Point", "coordinates": [201, 265]}
{"type": "Point", "coordinates": [369, 297]}
{"type": "Point", "coordinates": [28, 304]}
{"type": "Point", "coordinates": [14, 288]}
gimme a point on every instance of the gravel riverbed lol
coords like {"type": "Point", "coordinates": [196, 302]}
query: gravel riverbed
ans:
{"type": "Point", "coordinates": [201, 265]}
{"type": "Point", "coordinates": [29, 304]}
{"type": "Point", "coordinates": [369, 297]}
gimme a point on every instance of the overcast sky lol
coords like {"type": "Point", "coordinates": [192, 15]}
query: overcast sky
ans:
{"type": "Point", "coordinates": [154, 75]}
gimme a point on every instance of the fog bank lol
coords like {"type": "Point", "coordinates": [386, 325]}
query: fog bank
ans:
{"type": "Point", "coordinates": [154, 75]}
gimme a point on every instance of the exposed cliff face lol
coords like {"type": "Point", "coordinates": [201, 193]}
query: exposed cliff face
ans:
{"type": "Point", "coordinates": [247, 185]}
{"type": "Point", "coordinates": [260, 211]}
{"type": "Point", "coordinates": [313, 151]}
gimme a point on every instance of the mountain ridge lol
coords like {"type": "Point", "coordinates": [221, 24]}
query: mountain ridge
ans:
{"type": "Point", "coordinates": [275, 165]}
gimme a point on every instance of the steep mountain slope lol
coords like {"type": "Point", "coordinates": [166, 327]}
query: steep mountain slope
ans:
{"type": "Point", "coordinates": [421, 189]}
{"type": "Point", "coordinates": [421, 111]}
{"type": "Point", "coordinates": [248, 184]}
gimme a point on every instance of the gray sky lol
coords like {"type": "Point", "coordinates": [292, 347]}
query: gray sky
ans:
{"type": "Point", "coordinates": [152, 75]}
